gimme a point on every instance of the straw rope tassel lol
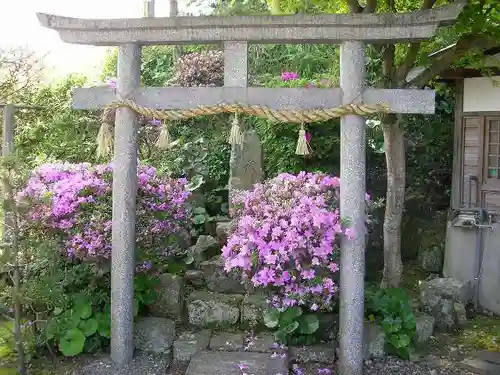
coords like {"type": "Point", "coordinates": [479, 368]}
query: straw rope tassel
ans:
{"type": "Point", "coordinates": [302, 144]}
{"type": "Point", "coordinates": [236, 136]}
{"type": "Point", "coordinates": [163, 142]}
{"type": "Point", "coordinates": [105, 140]}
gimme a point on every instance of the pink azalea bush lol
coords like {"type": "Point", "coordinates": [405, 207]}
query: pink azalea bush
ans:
{"type": "Point", "coordinates": [73, 203]}
{"type": "Point", "coordinates": [287, 237]}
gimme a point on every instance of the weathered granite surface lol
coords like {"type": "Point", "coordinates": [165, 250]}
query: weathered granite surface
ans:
{"type": "Point", "coordinates": [154, 335]}
{"type": "Point", "coordinates": [190, 343]}
{"type": "Point", "coordinates": [374, 341]}
{"type": "Point", "coordinates": [445, 299]}
{"type": "Point", "coordinates": [227, 363]}
{"type": "Point", "coordinates": [398, 100]}
{"type": "Point", "coordinates": [208, 309]}
{"type": "Point", "coordinates": [170, 300]}
{"type": "Point", "coordinates": [252, 309]}
{"type": "Point", "coordinates": [217, 280]}
{"type": "Point", "coordinates": [292, 28]}
{"type": "Point", "coordinates": [448, 288]}
{"type": "Point", "coordinates": [206, 247]}
{"type": "Point", "coordinates": [425, 327]}
{"type": "Point", "coordinates": [227, 341]}
{"type": "Point", "coordinates": [324, 353]}
{"type": "Point", "coordinates": [195, 278]}
{"type": "Point", "coordinates": [222, 230]}
{"type": "Point", "coordinates": [431, 260]}
{"type": "Point", "coordinates": [264, 342]}
{"type": "Point", "coordinates": [246, 164]}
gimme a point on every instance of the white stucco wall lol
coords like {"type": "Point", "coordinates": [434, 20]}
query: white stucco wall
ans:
{"type": "Point", "coordinates": [482, 94]}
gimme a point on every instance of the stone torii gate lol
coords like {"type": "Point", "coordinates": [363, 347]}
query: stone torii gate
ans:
{"type": "Point", "coordinates": [235, 32]}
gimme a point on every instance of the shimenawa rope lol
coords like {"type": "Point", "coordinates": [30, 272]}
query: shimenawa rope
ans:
{"type": "Point", "coordinates": [236, 136]}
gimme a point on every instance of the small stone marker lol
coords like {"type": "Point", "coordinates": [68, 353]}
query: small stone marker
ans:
{"type": "Point", "coordinates": [228, 363]}
{"type": "Point", "coordinates": [246, 163]}
{"type": "Point", "coordinates": [246, 159]}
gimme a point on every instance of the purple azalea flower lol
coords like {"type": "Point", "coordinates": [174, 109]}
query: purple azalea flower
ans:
{"type": "Point", "coordinates": [242, 366]}
{"type": "Point", "coordinates": [73, 201]}
{"type": "Point", "coordinates": [289, 76]}
{"type": "Point", "coordinates": [324, 371]}
{"type": "Point", "coordinates": [111, 83]}
{"type": "Point", "coordinates": [155, 122]}
{"type": "Point", "coordinates": [286, 235]}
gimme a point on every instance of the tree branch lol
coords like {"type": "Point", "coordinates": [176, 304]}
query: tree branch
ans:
{"type": "Point", "coordinates": [388, 57]}
{"type": "Point", "coordinates": [371, 6]}
{"type": "Point", "coordinates": [354, 6]}
{"type": "Point", "coordinates": [428, 4]}
{"type": "Point", "coordinates": [442, 63]}
{"type": "Point", "coordinates": [411, 54]}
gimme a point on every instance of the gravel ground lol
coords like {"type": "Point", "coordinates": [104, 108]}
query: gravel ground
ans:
{"type": "Point", "coordinates": [396, 366]}
{"type": "Point", "coordinates": [177, 368]}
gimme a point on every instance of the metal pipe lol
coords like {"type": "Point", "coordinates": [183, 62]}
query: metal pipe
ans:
{"type": "Point", "coordinates": [477, 262]}
{"type": "Point", "coordinates": [471, 178]}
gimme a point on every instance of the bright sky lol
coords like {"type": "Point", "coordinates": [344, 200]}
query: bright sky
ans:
{"type": "Point", "coordinates": [19, 27]}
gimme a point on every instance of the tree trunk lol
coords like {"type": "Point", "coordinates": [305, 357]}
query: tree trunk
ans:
{"type": "Point", "coordinates": [396, 183]}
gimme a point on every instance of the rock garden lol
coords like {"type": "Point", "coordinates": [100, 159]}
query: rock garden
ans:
{"type": "Point", "coordinates": [226, 262]}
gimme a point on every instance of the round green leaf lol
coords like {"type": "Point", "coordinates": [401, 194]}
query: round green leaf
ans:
{"type": "Point", "coordinates": [198, 219]}
{"type": "Point", "coordinates": [199, 211]}
{"type": "Point", "coordinates": [290, 314]}
{"type": "Point", "coordinates": [189, 259]}
{"type": "Point", "coordinates": [149, 296]}
{"type": "Point", "coordinates": [104, 325]}
{"type": "Point", "coordinates": [308, 324]}
{"type": "Point", "coordinates": [281, 336]}
{"type": "Point", "coordinates": [88, 327]}
{"type": "Point", "coordinates": [136, 307]}
{"type": "Point", "coordinates": [52, 329]}
{"type": "Point", "coordinates": [195, 183]}
{"type": "Point", "coordinates": [404, 340]}
{"type": "Point", "coordinates": [292, 327]}
{"type": "Point", "coordinates": [57, 311]}
{"type": "Point", "coordinates": [83, 311]}
{"type": "Point", "coordinates": [72, 342]}
{"type": "Point", "coordinates": [271, 318]}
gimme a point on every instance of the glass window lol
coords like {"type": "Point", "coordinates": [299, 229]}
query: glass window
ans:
{"type": "Point", "coordinates": [493, 149]}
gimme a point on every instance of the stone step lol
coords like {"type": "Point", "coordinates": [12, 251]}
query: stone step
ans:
{"type": "Point", "coordinates": [483, 363]}
{"type": "Point", "coordinates": [231, 363]}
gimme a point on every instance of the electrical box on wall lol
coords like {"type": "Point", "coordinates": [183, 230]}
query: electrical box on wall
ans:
{"type": "Point", "coordinates": [465, 219]}
{"type": "Point", "coordinates": [471, 218]}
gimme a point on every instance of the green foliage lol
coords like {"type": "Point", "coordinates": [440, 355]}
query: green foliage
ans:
{"type": "Point", "coordinates": [291, 325]}
{"type": "Point", "coordinates": [84, 324]}
{"type": "Point", "coordinates": [56, 131]}
{"type": "Point", "coordinates": [186, 158]}
{"type": "Point", "coordinates": [200, 216]}
{"type": "Point", "coordinates": [74, 298]}
{"type": "Point", "coordinates": [392, 310]}
{"type": "Point", "coordinates": [144, 291]}
{"type": "Point", "coordinates": [69, 327]}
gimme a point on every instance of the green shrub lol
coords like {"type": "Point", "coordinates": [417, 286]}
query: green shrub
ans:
{"type": "Point", "coordinates": [392, 310]}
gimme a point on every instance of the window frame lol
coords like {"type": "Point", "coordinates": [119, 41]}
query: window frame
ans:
{"type": "Point", "coordinates": [489, 183]}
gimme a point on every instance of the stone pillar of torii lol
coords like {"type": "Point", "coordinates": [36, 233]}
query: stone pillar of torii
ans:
{"type": "Point", "coordinates": [351, 31]}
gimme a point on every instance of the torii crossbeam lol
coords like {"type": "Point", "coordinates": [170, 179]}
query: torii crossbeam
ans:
{"type": "Point", "coordinates": [351, 31]}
